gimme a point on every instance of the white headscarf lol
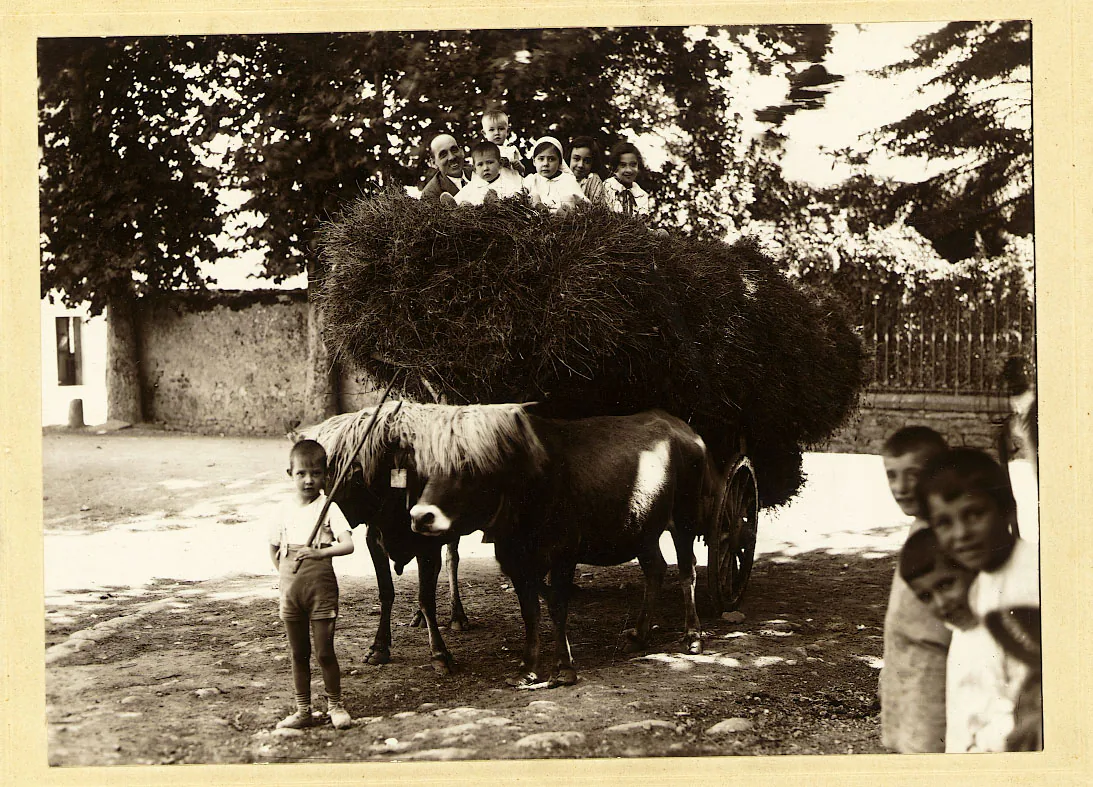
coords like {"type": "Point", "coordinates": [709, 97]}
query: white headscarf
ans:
{"type": "Point", "coordinates": [556, 144]}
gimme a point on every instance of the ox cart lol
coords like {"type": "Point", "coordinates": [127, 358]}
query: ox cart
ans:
{"type": "Point", "coordinates": [587, 310]}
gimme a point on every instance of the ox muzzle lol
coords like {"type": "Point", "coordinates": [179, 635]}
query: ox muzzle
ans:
{"type": "Point", "coordinates": [428, 520]}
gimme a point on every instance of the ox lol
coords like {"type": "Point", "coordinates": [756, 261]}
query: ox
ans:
{"type": "Point", "coordinates": [378, 494]}
{"type": "Point", "coordinates": [554, 493]}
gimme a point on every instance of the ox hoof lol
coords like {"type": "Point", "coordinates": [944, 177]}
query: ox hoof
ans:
{"type": "Point", "coordinates": [459, 624]}
{"type": "Point", "coordinates": [443, 664]}
{"type": "Point", "coordinates": [634, 643]}
{"type": "Point", "coordinates": [418, 621]}
{"type": "Point", "coordinates": [527, 681]}
{"type": "Point", "coordinates": [693, 646]}
{"type": "Point", "coordinates": [565, 677]}
{"type": "Point", "coordinates": [378, 656]}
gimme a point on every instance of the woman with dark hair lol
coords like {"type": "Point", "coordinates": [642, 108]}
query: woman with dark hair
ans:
{"type": "Point", "coordinates": [584, 160]}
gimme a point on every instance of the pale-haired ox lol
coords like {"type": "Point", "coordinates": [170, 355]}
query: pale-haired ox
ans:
{"type": "Point", "coordinates": [554, 493]}
{"type": "Point", "coordinates": [378, 492]}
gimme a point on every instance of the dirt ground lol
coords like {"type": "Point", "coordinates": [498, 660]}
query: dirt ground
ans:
{"type": "Point", "coordinates": [164, 646]}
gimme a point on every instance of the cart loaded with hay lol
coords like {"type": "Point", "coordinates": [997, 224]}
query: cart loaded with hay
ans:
{"type": "Point", "coordinates": [589, 313]}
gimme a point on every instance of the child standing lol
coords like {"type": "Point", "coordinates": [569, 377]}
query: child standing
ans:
{"type": "Point", "coordinates": [624, 195]}
{"type": "Point", "coordinates": [584, 160]}
{"type": "Point", "coordinates": [991, 682]}
{"type": "Point", "coordinates": [309, 588]}
{"type": "Point", "coordinates": [916, 644]}
{"type": "Point", "coordinates": [552, 184]}
{"type": "Point", "coordinates": [489, 176]}
{"type": "Point", "coordinates": [495, 128]}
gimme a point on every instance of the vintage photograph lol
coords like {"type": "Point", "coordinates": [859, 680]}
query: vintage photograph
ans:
{"type": "Point", "coordinates": [569, 392]}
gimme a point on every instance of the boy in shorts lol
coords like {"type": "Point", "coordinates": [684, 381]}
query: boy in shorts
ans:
{"type": "Point", "coordinates": [994, 670]}
{"type": "Point", "coordinates": [309, 588]}
{"type": "Point", "coordinates": [916, 643]}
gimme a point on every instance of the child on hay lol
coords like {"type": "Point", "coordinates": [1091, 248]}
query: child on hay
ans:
{"type": "Point", "coordinates": [495, 128]}
{"type": "Point", "coordinates": [624, 195]}
{"type": "Point", "coordinates": [584, 160]}
{"type": "Point", "coordinates": [490, 177]}
{"type": "Point", "coordinates": [552, 184]}
{"type": "Point", "coordinates": [916, 644]}
{"type": "Point", "coordinates": [308, 585]}
{"type": "Point", "coordinates": [993, 678]}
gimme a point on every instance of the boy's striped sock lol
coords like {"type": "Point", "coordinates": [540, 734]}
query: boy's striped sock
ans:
{"type": "Point", "coordinates": [303, 702]}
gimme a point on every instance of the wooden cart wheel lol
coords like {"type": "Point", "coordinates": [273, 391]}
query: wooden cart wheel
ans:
{"type": "Point", "coordinates": [731, 542]}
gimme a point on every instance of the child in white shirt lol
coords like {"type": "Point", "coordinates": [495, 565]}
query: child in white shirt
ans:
{"type": "Point", "coordinates": [994, 671]}
{"type": "Point", "coordinates": [623, 193]}
{"type": "Point", "coordinates": [308, 585]}
{"type": "Point", "coordinates": [552, 184]}
{"type": "Point", "coordinates": [916, 643]}
{"type": "Point", "coordinates": [489, 177]}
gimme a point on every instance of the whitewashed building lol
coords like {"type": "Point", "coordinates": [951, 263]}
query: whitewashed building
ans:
{"type": "Point", "coordinates": [73, 363]}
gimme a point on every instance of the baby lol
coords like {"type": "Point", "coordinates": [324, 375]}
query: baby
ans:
{"type": "Point", "coordinates": [490, 177]}
{"type": "Point", "coordinates": [495, 128]}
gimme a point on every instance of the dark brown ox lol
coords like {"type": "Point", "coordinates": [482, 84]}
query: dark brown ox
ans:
{"type": "Point", "coordinates": [378, 494]}
{"type": "Point", "coordinates": [555, 493]}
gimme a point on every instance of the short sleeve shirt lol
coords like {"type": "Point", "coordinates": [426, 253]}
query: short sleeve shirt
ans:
{"type": "Point", "coordinates": [294, 522]}
{"type": "Point", "coordinates": [1016, 583]}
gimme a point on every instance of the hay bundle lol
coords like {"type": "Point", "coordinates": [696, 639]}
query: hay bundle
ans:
{"type": "Point", "coordinates": [591, 313]}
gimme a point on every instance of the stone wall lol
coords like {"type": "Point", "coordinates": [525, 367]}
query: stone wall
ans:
{"type": "Point", "coordinates": [235, 363]}
{"type": "Point", "coordinates": [961, 420]}
{"type": "Point", "coordinates": [231, 363]}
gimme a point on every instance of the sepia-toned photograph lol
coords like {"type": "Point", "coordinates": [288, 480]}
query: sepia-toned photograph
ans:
{"type": "Point", "coordinates": [539, 393]}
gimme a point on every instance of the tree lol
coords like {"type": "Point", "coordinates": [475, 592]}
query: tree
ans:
{"type": "Point", "coordinates": [130, 194]}
{"type": "Point", "coordinates": [127, 209]}
{"type": "Point", "coordinates": [982, 126]}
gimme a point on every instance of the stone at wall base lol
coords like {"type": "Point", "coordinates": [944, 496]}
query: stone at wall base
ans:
{"type": "Point", "coordinates": [75, 414]}
{"type": "Point", "coordinates": [112, 426]}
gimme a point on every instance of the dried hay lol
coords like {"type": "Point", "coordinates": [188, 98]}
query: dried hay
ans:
{"type": "Point", "coordinates": [591, 313]}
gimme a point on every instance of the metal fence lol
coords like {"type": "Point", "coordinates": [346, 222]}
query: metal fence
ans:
{"type": "Point", "coordinates": [946, 342]}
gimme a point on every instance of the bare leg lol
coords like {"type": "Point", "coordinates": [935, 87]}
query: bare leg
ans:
{"type": "Point", "coordinates": [299, 643]}
{"type": "Point", "coordinates": [322, 632]}
{"type": "Point", "coordinates": [380, 652]}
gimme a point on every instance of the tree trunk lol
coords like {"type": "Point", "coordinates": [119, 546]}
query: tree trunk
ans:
{"type": "Point", "coordinates": [123, 394]}
{"type": "Point", "coordinates": [322, 372]}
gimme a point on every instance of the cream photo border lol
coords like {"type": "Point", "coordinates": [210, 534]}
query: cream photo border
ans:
{"type": "Point", "coordinates": [1064, 278]}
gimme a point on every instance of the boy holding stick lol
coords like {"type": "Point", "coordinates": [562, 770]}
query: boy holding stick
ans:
{"type": "Point", "coordinates": [308, 585]}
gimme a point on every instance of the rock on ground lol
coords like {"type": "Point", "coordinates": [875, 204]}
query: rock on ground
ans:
{"type": "Point", "coordinates": [730, 725]}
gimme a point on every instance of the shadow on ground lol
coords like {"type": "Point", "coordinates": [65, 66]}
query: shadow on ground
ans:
{"type": "Point", "coordinates": [197, 672]}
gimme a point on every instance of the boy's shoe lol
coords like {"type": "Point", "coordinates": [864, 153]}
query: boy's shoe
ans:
{"type": "Point", "coordinates": [339, 717]}
{"type": "Point", "coordinates": [296, 721]}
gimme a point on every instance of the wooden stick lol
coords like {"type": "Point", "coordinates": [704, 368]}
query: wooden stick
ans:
{"type": "Point", "coordinates": [345, 470]}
